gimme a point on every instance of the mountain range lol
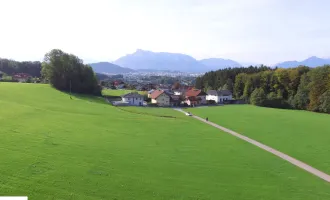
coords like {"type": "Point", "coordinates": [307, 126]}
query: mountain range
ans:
{"type": "Point", "coordinates": [310, 62]}
{"type": "Point", "coordinates": [143, 60]}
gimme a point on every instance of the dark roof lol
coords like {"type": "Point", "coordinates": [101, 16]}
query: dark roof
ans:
{"type": "Point", "coordinates": [132, 95]}
{"type": "Point", "coordinates": [168, 92]}
{"type": "Point", "coordinates": [219, 92]}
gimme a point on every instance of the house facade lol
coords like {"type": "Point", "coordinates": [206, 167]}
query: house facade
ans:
{"type": "Point", "coordinates": [219, 96]}
{"type": "Point", "coordinates": [199, 97]}
{"type": "Point", "coordinates": [192, 101]}
{"type": "Point", "coordinates": [160, 97]}
{"type": "Point", "coordinates": [133, 99]}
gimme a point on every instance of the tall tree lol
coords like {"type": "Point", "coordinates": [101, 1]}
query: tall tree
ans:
{"type": "Point", "coordinates": [258, 97]}
{"type": "Point", "coordinates": [68, 73]}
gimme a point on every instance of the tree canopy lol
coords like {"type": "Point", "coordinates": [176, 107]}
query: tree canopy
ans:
{"type": "Point", "coordinates": [298, 88]}
{"type": "Point", "coordinates": [67, 72]}
{"type": "Point", "coordinates": [12, 67]}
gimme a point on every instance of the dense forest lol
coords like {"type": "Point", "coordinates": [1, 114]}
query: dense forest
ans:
{"type": "Point", "coordinates": [297, 88]}
{"type": "Point", "coordinates": [11, 67]}
{"type": "Point", "coordinates": [67, 72]}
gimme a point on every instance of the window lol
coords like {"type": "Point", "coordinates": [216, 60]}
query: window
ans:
{"type": "Point", "coordinates": [135, 98]}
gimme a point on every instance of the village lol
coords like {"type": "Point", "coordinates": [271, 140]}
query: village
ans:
{"type": "Point", "coordinates": [185, 96]}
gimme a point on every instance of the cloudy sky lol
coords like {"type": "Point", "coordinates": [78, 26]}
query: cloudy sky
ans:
{"type": "Point", "coordinates": [259, 31]}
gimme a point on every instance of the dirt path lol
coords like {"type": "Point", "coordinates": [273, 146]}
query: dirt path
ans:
{"type": "Point", "coordinates": [293, 161]}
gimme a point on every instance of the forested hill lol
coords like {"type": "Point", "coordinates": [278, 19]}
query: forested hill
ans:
{"type": "Point", "coordinates": [12, 67]}
{"type": "Point", "coordinates": [298, 88]}
{"type": "Point", "coordinates": [225, 78]}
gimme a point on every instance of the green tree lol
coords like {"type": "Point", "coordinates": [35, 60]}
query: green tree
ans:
{"type": "Point", "coordinates": [319, 79]}
{"type": "Point", "coordinates": [68, 73]}
{"type": "Point", "coordinates": [239, 85]}
{"type": "Point", "coordinates": [248, 88]}
{"type": "Point", "coordinates": [325, 102]}
{"type": "Point", "coordinates": [258, 97]}
{"type": "Point", "coordinates": [301, 99]}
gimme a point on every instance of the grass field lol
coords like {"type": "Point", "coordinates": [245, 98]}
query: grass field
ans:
{"type": "Point", "coordinates": [108, 92]}
{"type": "Point", "coordinates": [53, 147]}
{"type": "Point", "coordinates": [301, 134]}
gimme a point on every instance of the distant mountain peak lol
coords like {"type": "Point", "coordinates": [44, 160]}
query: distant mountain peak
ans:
{"type": "Point", "coordinates": [106, 67]}
{"type": "Point", "coordinates": [148, 60]}
{"type": "Point", "coordinates": [312, 61]}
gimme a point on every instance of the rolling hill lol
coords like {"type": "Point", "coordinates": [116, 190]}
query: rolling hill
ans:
{"type": "Point", "coordinates": [57, 147]}
{"type": "Point", "coordinates": [106, 67]}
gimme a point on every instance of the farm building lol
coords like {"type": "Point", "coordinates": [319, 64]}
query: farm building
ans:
{"type": "Point", "coordinates": [219, 96]}
{"type": "Point", "coordinates": [133, 98]}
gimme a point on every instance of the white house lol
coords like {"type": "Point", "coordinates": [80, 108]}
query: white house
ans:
{"type": "Point", "coordinates": [219, 96]}
{"type": "Point", "coordinates": [133, 98]}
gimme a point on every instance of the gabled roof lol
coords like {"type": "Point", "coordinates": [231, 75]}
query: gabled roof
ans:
{"type": "Point", "coordinates": [194, 93]}
{"type": "Point", "coordinates": [219, 92]}
{"type": "Point", "coordinates": [132, 95]}
{"type": "Point", "coordinates": [156, 94]}
{"type": "Point", "coordinates": [192, 98]}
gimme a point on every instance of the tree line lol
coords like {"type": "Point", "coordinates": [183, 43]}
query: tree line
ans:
{"type": "Point", "coordinates": [301, 88]}
{"type": "Point", "coordinates": [11, 67]}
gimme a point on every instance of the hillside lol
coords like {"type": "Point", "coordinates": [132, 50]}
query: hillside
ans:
{"type": "Point", "coordinates": [54, 147]}
{"type": "Point", "coordinates": [310, 62]}
{"type": "Point", "coordinates": [106, 67]}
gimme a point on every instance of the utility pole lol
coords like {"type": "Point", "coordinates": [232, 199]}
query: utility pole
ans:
{"type": "Point", "coordinates": [70, 90]}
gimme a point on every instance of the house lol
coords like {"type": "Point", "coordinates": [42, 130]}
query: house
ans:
{"type": "Point", "coordinates": [175, 100]}
{"type": "Point", "coordinates": [21, 77]}
{"type": "Point", "coordinates": [219, 96]}
{"type": "Point", "coordinates": [150, 92]}
{"type": "Point", "coordinates": [199, 95]}
{"type": "Point", "coordinates": [133, 98]}
{"type": "Point", "coordinates": [192, 101]}
{"type": "Point", "coordinates": [160, 97]}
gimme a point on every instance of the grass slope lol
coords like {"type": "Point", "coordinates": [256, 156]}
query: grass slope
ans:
{"type": "Point", "coordinates": [56, 148]}
{"type": "Point", "coordinates": [107, 92]}
{"type": "Point", "coordinates": [301, 134]}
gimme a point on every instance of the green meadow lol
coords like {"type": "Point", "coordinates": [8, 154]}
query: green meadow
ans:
{"type": "Point", "coordinates": [55, 147]}
{"type": "Point", "coordinates": [301, 134]}
{"type": "Point", "coordinates": [108, 92]}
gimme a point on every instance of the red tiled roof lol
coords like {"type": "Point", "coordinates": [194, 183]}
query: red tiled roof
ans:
{"type": "Point", "coordinates": [156, 94]}
{"type": "Point", "coordinates": [192, 98]}
{"type": "Point", "coordinates": [194, 93]}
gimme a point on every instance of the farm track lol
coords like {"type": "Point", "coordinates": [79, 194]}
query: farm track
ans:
{"type": "Point", "coordinates": [277, 153]}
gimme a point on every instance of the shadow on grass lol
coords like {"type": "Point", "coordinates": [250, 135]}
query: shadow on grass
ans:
{"type": "Point", "coordinates": [87, 97]}
{"type": "Point", "coordinates": [144, 113]}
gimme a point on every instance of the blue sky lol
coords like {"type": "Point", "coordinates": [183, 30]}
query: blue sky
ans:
{"type": "Point", "coordinates": [259, 31]}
